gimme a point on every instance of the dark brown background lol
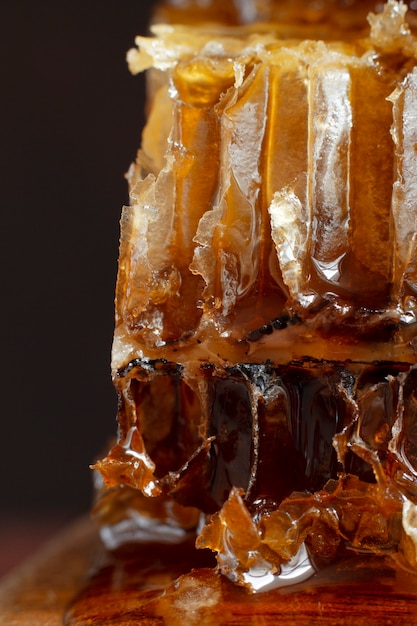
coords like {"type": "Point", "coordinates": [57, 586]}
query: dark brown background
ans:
{"type": "Point", "coordinates": [71, 117]}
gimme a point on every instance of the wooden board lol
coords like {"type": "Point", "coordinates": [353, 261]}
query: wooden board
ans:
{"type": "Point", "coordinates": [76, 583]}
{"type": "Point", "coordinates": [38, 593]}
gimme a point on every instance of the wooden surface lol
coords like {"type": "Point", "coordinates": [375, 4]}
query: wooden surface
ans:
{"type": "Point", "coordinates": [76, 583]}
{"type": "Point", "coordinates": [38, 593]}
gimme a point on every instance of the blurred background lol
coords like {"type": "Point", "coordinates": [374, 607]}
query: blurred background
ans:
{"type": "Point", "coordinates": [71, 122]}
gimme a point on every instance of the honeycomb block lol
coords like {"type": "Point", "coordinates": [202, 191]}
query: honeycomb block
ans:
{"type": "Point", "coordinates": [265, 343]}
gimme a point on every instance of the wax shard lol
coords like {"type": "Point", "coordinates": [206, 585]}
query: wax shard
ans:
{"type": "Point", "coordinates": [265, 343]}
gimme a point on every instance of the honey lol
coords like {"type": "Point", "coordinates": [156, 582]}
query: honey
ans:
{"type": "Point", "coordinates": [265, 344]}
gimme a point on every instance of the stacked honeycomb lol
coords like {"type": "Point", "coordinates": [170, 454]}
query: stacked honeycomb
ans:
{"type": "Point", "coordinates": [265, 342]}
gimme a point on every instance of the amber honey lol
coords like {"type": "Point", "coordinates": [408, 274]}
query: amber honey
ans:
{"type": "Point", "coordinates": [265, 343]}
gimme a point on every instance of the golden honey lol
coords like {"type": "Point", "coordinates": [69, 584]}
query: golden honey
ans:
{"type": "Point", "coordinates": [265, 343]}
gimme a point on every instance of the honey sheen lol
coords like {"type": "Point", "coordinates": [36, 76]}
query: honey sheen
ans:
{"type": "Point", "coordinates": [265, 344]}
